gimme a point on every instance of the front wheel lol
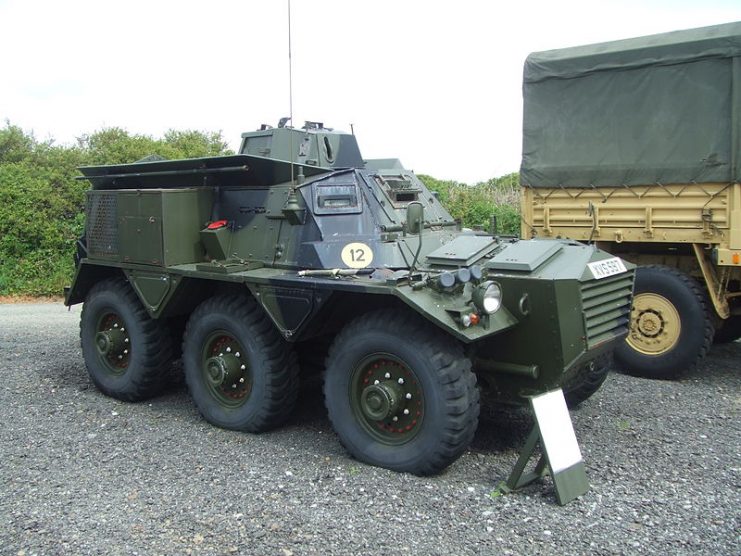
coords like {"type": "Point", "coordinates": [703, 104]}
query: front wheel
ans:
{"type": "Point", "coordinates": [670, 329]}
{"type": "Point", "coordinates": [400, 394]}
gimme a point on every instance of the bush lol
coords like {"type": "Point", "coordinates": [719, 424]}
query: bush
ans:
{"type": "Point", "coordinates": [474, 205]}
{"type": "Point", "coordinates": [42, 204]}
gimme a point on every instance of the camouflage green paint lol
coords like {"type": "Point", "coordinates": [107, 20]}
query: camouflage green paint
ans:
{"type": "Point", "coordinates": [179, 230]}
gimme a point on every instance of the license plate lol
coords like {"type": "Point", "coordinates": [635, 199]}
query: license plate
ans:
{"type": "Point", "coordinates": [608, 267]}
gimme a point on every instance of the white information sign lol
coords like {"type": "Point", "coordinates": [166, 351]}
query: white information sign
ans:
{"type": "Point", "coordinates": [556, 430]}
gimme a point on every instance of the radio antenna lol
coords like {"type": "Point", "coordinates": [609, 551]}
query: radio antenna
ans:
{"type": "Point", "coordinates": [290, 88]}
{"type": "Point", "coordinates": [292, 209]}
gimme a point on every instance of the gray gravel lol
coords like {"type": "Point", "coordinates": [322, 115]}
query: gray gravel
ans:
{"type": "Point", "coordinates": [85, 474]}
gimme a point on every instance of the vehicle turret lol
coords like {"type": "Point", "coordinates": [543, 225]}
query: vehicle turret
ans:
{"type": "Point", "coordinates": [313, 144]}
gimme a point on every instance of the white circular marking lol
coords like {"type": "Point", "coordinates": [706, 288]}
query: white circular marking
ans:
{"type": "Point", "coordinates": [357, 255]}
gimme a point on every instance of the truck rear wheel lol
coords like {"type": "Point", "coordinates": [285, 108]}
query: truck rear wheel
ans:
{"type": "Point", "coordinates": [240, 372]}
{"type": "Point", "coordinates": [586, 381]}
{"type": "Point", "coordinates": [670, 329]}
{"type": "Point", "coordinates": [400, 394]}
{"type": "Point", "coordinates": [127, 353]}
{"type": "Point", "coordinates": [729, 330]}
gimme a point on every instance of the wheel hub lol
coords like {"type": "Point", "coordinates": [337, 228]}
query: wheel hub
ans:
{"type": "Point", "coordinates": [650, 324]}
{"type": "Point", "coordinates": [655, 326]}
{"type": "Point", "coordinates": [381, 401]}
{"type": "Point", "coordinates": [223, 369]}
{"type": "Point", "coordinates": [387, 398]}
{"type": "Point", "coordinates": [110, 343]}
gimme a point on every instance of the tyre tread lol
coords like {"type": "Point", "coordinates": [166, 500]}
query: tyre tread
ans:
{"type": "Point", "coordinates": [156, 346]}
{"type": "Point", "coordinates": [453, 369]}
{"type": "Point", "coordinates": [586, 382]}
{"type": "Point", "coordinates": [279, 364]}
{"type": "Point", "coordinates": [707, 329]}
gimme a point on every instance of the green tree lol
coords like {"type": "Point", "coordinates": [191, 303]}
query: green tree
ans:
{"type": "Point", "coordinates": [15, 145]}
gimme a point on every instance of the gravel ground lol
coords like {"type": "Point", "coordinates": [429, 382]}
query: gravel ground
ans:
{"type": "Point", "coordinates": [85, 474]}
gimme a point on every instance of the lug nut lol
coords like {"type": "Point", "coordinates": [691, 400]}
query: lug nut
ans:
{"type": "Point", "coordinates": [406, 412]}
{"type": "Point", "coordinates": [126, 351]}
{"type": "Point", "coordinates": [228, 350]}
{"type": "Point", "coordinates": [387, 375]}
{"type": "Point", "coordinates": [395, 418]}
{"type": "Point", "coordinates": [237, 354]}
{"type": "Point", "coordinates": [408, 396]}
{"type": "Point", "coordinates": [126, 340]}
{"type": "Point", "coordinates": [242, 368]}
{"type": "Point", "coordinates": [115, 325]}
{"type": "Point", "coordinates": [376, 382]}
{"type": "Point", "coordinates": [401, 381]}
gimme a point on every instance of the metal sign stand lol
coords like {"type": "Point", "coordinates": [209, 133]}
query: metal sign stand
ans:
{"type": "Point", "coordinates": [560, 456]}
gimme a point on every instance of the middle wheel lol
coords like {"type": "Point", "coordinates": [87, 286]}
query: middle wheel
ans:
{"type": "Point", "coordinates": [239, 371]}
{"type": "Point", "coordinates": [400, 394]}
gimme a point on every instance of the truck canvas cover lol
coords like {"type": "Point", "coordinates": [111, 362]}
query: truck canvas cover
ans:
{"type": "Point", "coordinates": [659, 109]}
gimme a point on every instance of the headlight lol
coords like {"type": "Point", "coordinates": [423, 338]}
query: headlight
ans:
{"type": "Point", "coordinates": [446, 280]}
{"type": "Point", "coordinates": [463, 275]}
{"type": "Point", "coordinates": [488, 297]}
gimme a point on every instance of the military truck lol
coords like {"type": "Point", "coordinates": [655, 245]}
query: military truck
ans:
{"type": "Point", "coordinates": [635, 145]}
{"type": "Point", "coordinates": [296, 243]}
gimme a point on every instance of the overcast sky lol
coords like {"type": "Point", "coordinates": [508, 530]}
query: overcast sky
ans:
{"type": "Point", "coordinates": [434, 83]}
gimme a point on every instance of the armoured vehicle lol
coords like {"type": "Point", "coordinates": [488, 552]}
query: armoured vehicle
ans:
{"type": "Point", "coordinates": [634, 144]}
{"type": "Point", "coordinates": [297, 243]}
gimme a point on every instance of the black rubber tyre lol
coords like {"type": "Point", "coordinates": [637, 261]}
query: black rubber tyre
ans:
{"type": "Point", "coordinates": [671, 328]}
{"type": "Point", "coordinates": [586, 381]}
{"type": "Point", "coordinates": [240, 372]}
{"type": "Point", "coordinates": [434, 410]}
{"type": "Point", "coordinates": [729, 330]}
{"type": "Point", "coordinates": [127, 353]}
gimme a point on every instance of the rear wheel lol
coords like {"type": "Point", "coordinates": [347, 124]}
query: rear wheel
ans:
{"type": "Point", "coordinates": [670, 330]}
{"type": "Point", "coordinates": [586, 381]}
{"type": "Point", "coordinates": [729, 330]}
{"type": "Point", "coordinates": [127, 353]}
{"type": "Point", "coordinates": [400, 394]}
{"type": "Point", "coordinates": [240, 372]}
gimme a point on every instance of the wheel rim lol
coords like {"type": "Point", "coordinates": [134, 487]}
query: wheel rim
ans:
{"type": "Point", "coordinates": [386, 398]}
{"type": "Point", "coordinates": [112, 343]}
{"type": "Point", "coordinates": [655, 324]}
{"type": "Point", "coordinates": [224, 368]}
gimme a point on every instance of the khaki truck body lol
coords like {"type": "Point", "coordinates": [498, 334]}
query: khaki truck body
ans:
{"type": "Point", "coordinates": [635, 145]}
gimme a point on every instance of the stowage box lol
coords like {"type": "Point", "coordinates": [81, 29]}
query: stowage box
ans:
{"type": "Point", "coordinates": [154, 227]}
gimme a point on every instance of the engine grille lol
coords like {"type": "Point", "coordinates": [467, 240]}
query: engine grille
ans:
{"type": "Point", "coordinates": [102, 229]}
{"type": "Point", "coordinates": [606, 306]}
